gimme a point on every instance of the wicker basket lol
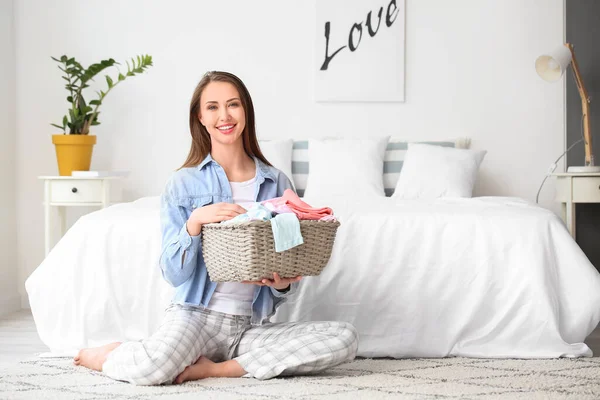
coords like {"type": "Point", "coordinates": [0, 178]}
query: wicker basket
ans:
{"type": "Point", "coordinates": [246, 251]}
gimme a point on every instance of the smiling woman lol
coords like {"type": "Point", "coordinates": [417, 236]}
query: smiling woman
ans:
{"type": "Point", "coordinates": [226, 116]}
{"type": "Point", "coordinates": [221, 110]}
{"type": "Point", "coordinates": [220, 329]}
{"type": "Point", "coordinates": [222, 115]}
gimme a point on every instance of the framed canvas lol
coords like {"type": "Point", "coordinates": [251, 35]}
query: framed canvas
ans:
{"type": "Point", "coordinates": [359, 50]}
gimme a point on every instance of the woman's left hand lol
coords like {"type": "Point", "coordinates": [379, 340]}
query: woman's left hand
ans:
{"type": "Point", "coordinates": [277, 282]}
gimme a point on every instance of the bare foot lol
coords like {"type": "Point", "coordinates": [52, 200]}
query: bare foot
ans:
{"type": "Point", "coordinates": [94, 357]}
{"type": "Point", "coordinates": [199, 370]}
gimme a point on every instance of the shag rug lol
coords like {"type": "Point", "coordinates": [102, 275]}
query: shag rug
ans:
{"type": "Point", "coordinates": [58, 378]}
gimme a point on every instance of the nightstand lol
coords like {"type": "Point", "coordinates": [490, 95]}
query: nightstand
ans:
{"type": "Point", "coordinates": [573, 188]}
{"type": "Point", "coordinates": [68, 191]}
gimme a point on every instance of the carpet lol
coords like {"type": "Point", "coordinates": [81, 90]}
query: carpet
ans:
{"type": "Point", "coordinates": [372, 379]}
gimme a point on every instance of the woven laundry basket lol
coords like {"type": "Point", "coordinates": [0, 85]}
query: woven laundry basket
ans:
{"type": "Point", "coordinates": [246, 251]}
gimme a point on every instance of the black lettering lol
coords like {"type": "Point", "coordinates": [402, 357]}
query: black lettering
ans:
{"type": "Point", "coordinates": [327, 56]}
{"type": "Point", "coordinates": [368, 23]}
{"type": "Point", "coordinates": [351, 45]}
{"type": "Point", "coordinates": [388, 20]}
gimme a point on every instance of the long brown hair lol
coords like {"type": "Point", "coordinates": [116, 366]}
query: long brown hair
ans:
{"type": "Point", "coordinates": [201, 144]}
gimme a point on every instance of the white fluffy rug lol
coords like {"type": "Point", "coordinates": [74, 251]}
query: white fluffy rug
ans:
{"type": "Point", "coordinates": [361, 379]}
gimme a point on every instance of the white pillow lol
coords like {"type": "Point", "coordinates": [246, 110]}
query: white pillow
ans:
{"type": "Point", "coordinates": [346, 167]}
{"type": "Point", "coordinates": [279, 153]}
{"type": "Point", "coordinates": [431, 171]}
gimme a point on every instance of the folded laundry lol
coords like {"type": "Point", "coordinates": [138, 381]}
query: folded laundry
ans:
{"type": "Point", "coordinates": [285, 226]}
{"type": "Point", "coordinates": [298, 207]}
{"type": "Point", "coordinates": [256, 212]}
{"type": "Point", "coordinates": [278, 208]}
{"type": "Point", "coordinates": [284, 213]}
{"type": "Point", "coordinates": [286, 232]}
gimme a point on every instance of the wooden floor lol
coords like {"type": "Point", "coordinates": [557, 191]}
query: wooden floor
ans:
{"type": "Point", "coordinates": [19, 339]}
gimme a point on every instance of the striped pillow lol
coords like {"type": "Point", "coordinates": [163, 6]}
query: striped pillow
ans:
{"type": "Point", "coordinates": [392, 163]}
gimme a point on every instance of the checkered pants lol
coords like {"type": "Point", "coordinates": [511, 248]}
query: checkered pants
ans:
{"type": "Point", "coordinates": [265, 351]}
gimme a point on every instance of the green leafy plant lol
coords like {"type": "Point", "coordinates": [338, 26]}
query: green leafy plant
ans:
{"type": "Point", "coordinates": [82, 115]}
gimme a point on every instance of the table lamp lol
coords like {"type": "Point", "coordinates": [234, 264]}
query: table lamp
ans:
{"type": "Point", "coordinates": [551, 67]}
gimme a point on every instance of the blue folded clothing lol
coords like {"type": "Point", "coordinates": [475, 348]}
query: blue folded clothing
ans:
{"type": "Point", "coordinates": [286, 231]}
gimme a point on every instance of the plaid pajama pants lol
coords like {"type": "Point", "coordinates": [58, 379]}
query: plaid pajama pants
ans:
{"type": "Point", "coordinates": [265, 351]}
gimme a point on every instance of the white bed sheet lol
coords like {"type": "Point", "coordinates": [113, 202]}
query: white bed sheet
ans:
{"type": "Point", "coordinates": [481, 277]}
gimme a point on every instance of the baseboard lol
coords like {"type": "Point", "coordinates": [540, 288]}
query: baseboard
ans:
{"type": "Point", "coordinates": [9, 304]}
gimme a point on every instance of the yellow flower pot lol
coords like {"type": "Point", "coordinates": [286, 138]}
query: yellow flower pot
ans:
{"type": "Point", "coordinates": [73, 152]}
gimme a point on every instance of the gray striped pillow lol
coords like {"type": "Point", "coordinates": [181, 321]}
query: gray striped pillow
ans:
{"type": "Point", "coordinates": [392, 162]}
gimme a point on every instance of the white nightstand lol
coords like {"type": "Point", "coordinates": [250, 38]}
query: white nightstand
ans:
{"type": "Point", "coordinates": [68, 191]}
{"type": "Point", "coordinates": [573, 188]}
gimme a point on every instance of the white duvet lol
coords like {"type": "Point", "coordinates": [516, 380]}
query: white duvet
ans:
{"type": "Point", "coordinates": [481, 277]}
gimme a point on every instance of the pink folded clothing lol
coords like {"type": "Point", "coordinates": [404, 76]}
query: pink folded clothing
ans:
{"type": "Point", "coordinates": [277, 208]}
{"type": "Point", "coordinates": [298, 207]}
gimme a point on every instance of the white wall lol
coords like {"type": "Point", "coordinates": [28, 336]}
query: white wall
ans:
{"type": "Point", "coordinates": [469, 72]}
{"type": "Point", "coordinates": [9, 297]}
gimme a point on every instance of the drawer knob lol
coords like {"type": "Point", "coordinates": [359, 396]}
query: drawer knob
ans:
{"type": "Point", "coordinates": [74, 190]}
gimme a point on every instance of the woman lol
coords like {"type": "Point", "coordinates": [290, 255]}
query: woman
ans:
{"type": "Point", "coordinates": [210, 329]}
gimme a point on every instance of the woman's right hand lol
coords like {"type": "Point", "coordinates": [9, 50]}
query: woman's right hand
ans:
{"type": "Point", "coordinates": [212, 213]}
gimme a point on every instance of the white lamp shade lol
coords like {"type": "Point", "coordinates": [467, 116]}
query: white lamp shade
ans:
{"type": "Point", "coordinates": [551, 66]}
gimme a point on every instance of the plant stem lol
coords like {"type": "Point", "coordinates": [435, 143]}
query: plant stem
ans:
{"type": "Point", "coordinates": [88, 123]}
{"type": "Point", "coordinates": [69, 76]}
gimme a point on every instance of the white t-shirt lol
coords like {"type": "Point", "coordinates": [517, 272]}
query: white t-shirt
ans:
{"type": "Point", "coordinates": [232, 297]}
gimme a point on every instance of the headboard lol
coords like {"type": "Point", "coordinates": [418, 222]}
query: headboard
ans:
{"type": "Point", "coordinates": [392, 162]}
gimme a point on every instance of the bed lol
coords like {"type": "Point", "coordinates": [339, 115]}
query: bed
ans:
{"type": "Point", "coordinates": [421, 268]}
{"type": "Point", "coordinates": [475, 277]}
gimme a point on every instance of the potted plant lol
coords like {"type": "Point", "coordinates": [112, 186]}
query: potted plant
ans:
{"type": "Point", "coordinates": [74, 146]}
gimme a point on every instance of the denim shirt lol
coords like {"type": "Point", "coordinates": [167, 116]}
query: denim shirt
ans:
{"type": "Point", "coordinates": [191, 188]}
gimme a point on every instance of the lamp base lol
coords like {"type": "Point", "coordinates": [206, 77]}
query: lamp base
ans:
{"type": "Point", "coordinates": [584, 170]}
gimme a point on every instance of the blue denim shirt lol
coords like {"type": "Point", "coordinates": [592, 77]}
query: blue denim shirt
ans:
{"type": "Point", "coordinates": [188, 189]}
